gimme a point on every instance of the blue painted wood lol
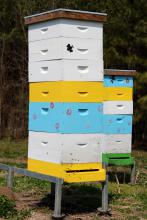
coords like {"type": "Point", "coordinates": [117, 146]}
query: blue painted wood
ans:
{"type": "Point", "coordinates": [44, 116]}
{"type": "Point", "coordinates": [66, 117]}
{"type": "Point", "coordinates": [118, 81]}
{"type": "Point", "coordinates": [82, 118]}
{"type": "Point", "coordinates": [117, 124]}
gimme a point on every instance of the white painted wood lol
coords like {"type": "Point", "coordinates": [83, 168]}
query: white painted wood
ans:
{"type": "Point", "coordinates": [45, 71]}
{"type": "Point", "coordinates": [118, 107]}
{"type": "Point", "coordinates": [67, 70]}
{"type": "Point", "coordinates": [81, 148]}
{"type": "Point", "coordinates": [65, 28]}
{"type": "Point", "coordinates": [117, 143]}
{"type": "Point", "coordinates": [57, 48]}
{"type": "Point", "coordinates": [65, 148]}
{"type": "Point", "coordinates": [83, 70]}
{"type": "Point", "coordinates": [44, 147]}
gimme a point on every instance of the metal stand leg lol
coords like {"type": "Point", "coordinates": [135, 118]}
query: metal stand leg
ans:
{"type": "Point", "coordinates": [10, 177]}
{"type": "Point", "coordinates": [133, 173]}
{"type": "Point", "coordinates": [58, 197]}
{"type": "Point", "coordinates": [105, 205]}
{"type": "Point", "coordinates": [104, 209]}
{"type": "Point", "coordinates": [105, 195]}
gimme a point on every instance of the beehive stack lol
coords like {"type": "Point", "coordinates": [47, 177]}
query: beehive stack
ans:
{"type": "Point", "coordinates": [117, 123]}
{"type": "Point", "coordinates": [78, 118]}
{"type": "Point", "coordinates": [66, 94]}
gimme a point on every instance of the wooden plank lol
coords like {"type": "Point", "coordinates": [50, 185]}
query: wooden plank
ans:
{"type": "Point", "coordinates": [116, 72]}
{"type": "Point", "coordinates": [64, 13]}
{"type": "Point", "coordinates": [81, 172]}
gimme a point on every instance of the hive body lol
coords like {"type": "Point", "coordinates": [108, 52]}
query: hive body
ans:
{"type": "Point", "coordinates": [117, 140]}
{"type": "Point", "coordinates": [77, 116]}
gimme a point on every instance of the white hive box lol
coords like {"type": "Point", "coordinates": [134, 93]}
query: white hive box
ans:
{"type": "Point", "coordinates": [66, 70]}
{"type": "Point", "coordinates": [66, 28]}
{"type": "Point", "coordinates": [66, 45]}
{"type": "Point", "coordinates": [65, 48]}
{"type": "Point", "coordinates": [118, 107]}
{"type": "Point", "coordinates": [65, 148]}
{"type": "Point", "coordinates": [116, 143]}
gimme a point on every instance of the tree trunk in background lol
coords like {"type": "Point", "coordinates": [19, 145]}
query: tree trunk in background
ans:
{"type": "Point", "coordinates": [124, 47]}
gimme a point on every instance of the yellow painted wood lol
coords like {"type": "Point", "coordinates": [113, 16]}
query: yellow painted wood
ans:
{"type": "Point", "coordinates": [64, 170]}
{"type": "Point", "coordinates": [117, 94]}
{"type": "Point", "coordinates": [65, 91]}
{"type": "Point", "coordinates": [86, 176]}
{"type": "Point", "coordinates": [82, 166]}
{"type": "Point", "coordinates": [52, 169]}
{"type": "Point", "coordinates": [44, 92]}
{"type": "Point", "coordinates": [83, 91]}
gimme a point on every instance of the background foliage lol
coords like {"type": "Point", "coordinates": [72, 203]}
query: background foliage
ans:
{"type": "Point", "coordinates": [125, 47]}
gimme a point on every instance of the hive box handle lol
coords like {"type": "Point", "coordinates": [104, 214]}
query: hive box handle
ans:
{"type": "Point", "coordinates": [43, 52]}
{"type": "Point", "coordinates": [119, 141]}
{"type": "Point", "coordinates": [83, 69]}
{"type": "Point", "coordinates": [82, 29]}
{"type": "Point", "coordinates": [44, 111]}
{"type": "Point", "coordinates": [120, 94]}
{"type": "Point", "coordinates": [45, 93]}
{"type": "Point", "coordinates": [44, 69]}
{"type": "Point", "coordinates": [120, 106]}
{"type": "Point", "coordinates": [82, 145]}
{"type": "Point", "coordinates": [44, 30]}
{"type": "Point", "coordinates": [119, 120]}
{"type": "Point", "coordinates": [83, 93]}
{"type": "Point", "coordinates": [83, 111]}
{"type": "Point", "coordinates": [82, 51]}
{"type": "Point", "coordinates": [120, 80]}
{"type": "Point", "coordinates": [44, 143]}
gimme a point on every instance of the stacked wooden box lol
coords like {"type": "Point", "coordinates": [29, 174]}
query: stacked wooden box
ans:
{"type": "Point", "coordinates": [66, 95]}
{"type": "Point", "coordinates": [78, 118]}
{"type": "Point", "coordinates": [117, 124]}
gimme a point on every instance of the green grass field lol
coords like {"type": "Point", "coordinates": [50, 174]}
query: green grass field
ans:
{"type": "Point", "coordinates": [80, 201]}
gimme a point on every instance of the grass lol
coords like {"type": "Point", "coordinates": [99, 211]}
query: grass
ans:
{"type": "Point", "coordinates": [13, 150]}
{"type": "Point", "coordinates": [80, 201]}
{"type": "Point", "coordinates": [8, 209]}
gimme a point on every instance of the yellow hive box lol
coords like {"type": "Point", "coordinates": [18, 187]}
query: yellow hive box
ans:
{"type": "Point", "coordinates": [77, 92]}
{"type": "Point", "coordinates": [118, 94]}
{"type": "Point", "coordinates": [69, 172]}
{"type": "Point", "coordinates": [66, 92]}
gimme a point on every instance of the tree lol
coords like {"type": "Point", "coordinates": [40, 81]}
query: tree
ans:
{"type": "Point", "coordinates": [125, 47]}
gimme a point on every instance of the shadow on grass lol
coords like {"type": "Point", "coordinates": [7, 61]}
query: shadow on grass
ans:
{"type": "Point", "coordinates": [76, 199]}
{"type": "Point", "coordinates": [83, 198]}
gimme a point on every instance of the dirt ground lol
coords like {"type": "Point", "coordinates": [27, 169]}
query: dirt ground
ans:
{"type": "Point", "coordinates": [27, 200]}
{"type": "Point", "coordinates": [79, 201]}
